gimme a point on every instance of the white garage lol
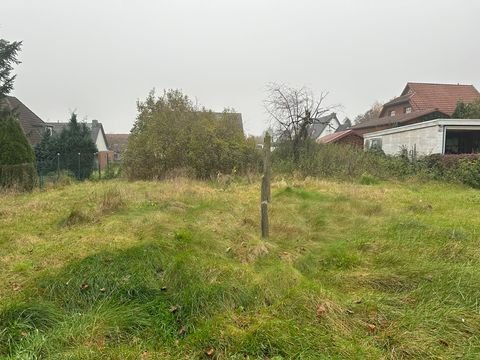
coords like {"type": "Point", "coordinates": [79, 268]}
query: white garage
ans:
{"type": "Point", "coordinates": [440, 136]}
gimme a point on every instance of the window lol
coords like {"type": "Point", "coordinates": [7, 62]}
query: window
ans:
{"type": "Point", "coordinates": [49, 130]}
{"type": "Point", "coordinates": [407, 109]}
{"type": "Point", "coordinates": [374, 144]}
{"type": "Point", "coordinates": [392, 113]}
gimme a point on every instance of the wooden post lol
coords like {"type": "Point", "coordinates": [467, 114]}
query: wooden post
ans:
{"type": "Point", "coordinates": [265, 195]}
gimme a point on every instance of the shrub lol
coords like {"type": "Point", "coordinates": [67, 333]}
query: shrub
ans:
{"type": "Point", "coordinates": [172, 133]}
{"type": "Point", "coordinates": [341, 162]}
{"type": "Point", "coordinates": [367, 179]}
{"type": "Point", "coordinates": [17, 169]}
{"type": "Point", "coordinates": [21, 177]}
{"type": "Point", "coordinates": [461, 168]}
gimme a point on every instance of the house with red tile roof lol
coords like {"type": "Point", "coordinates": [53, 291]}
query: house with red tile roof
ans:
{"type": "Point", "coordinates": [420, 102]}
{"type": "Point", "coordinates": [345, 137]}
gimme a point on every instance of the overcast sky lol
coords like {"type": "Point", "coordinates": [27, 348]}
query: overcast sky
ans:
{"type": "Point", "coordinates": [99, 56]}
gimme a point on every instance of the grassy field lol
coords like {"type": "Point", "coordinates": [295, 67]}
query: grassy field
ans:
{"type": "Point", "coordinates": [176, 270]}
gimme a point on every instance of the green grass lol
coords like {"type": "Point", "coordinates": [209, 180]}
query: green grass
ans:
{"type": "Point", "coordinates": [176, 270]}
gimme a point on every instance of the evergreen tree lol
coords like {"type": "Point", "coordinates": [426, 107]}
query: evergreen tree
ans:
{"type": "Point", "coordinates": [8, 58]}
{"type": "Point", "coordinates": [75, 146]}
{"type": "Point", "coordinates": [14, 147]}
{"type": "Point", "coordinates": [17, 160]}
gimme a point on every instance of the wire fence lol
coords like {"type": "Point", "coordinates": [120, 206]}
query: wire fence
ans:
{"type": "Point", "coordinates": [79, 166]}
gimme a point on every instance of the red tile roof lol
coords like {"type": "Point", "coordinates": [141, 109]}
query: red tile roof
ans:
{"type": "Point", "coordinates": [399, 119]}
{"type": "Point", "coordinates": [117, 142]}
{"type": "Point", "coordinates": [331, 138]}
{"type": "Point", "coordinates": [443, 97]}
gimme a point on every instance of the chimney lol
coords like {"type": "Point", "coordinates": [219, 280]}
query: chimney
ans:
{"type": "Point", "coordinates": [94, 123]}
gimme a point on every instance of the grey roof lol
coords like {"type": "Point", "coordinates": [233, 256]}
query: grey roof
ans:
{"type": "Point", "coordinates": [31, 124]}
{"type": "Point", "coordinates": [347, 124]}
{"type": "Point", "coordinates": [398, 100]}
{"type": "Point", "coordinates": [95, 128]}
{"type": "Point", "coordinates": [234, 119]}
{"type": "Point", "coordinates": [316, 129]}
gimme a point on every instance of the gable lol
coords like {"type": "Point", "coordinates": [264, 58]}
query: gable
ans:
{"type": "Point", "coordinates": [32, 126]}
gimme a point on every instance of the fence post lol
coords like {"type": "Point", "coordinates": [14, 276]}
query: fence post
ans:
{"type": "Point", "coordinates": [58, 166]}
{"type": "Point", "coordinates": [265, 196]}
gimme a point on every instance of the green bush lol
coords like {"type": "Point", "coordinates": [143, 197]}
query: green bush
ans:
{"type": "Point", "coordinates": [172, 133]}
{"type": "Point", "coordinates": [341, 162]}
{"type": "Point", "coordinates": [349, 163]}
{"type": "Point", "coordinates": [367, 179]}
{"type": "Point", "coordinates": [462, 168]}
{"type": "Point", "coordinates": [19, 177]}
{"type": "Point", "coordinates": [17, 168]}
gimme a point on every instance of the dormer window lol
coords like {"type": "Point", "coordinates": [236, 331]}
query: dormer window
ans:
{"type": "Point", "coordinates": [407, 109]}
{"type": "Point", "coordinates": [392, 113]}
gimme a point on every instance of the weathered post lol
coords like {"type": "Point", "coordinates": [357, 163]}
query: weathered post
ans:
{"type": "Point", "coordinates": [99, 168]}
{"type": "Point", "coordinates": [58, 166]}
{"type": "Point", "coordinates": [265, 195]}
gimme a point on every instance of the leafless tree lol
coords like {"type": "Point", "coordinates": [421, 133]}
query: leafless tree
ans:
{"type": "Point", "coordinates": [293, 111]}
{"type": "Point", "coordinates": [372, 113]}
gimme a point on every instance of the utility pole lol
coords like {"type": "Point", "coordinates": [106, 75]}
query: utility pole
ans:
{"type": "Point", "coordinates": [265, 196]}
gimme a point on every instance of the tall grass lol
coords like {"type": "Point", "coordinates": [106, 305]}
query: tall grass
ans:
{"type": "Point", "coordinates": [169, 270]}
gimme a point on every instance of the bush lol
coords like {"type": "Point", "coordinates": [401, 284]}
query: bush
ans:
{"type": "Point", "coordinates": [172, 133]}
{"type": "Point", "coordinates": [341, 162]}
{"type": "Point", "coordinates": [367, 179]}
{"type": "Point", "coordinates": [19, 177]}
{"type": "Point", "coordinates": [17, 169]}
{"type": "Point", "coordinates": [348, 163]}
{"type": "Point", "coordinates": [462, 168]}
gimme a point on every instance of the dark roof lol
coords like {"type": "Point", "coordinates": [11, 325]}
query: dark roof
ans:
{"type": "Point", "coordinates": [117, 142]}
{"type": "Point", "coordinates": [234, 119]}
{"type": "Point", "coordinates": [444, 97]}
{"type": "Point", "coordinates": [347, 124]}
{"type": "Point", "coordinates": [398, 100]}
{"type": "Point", "coordinates": [331, 138]}
{"type": "Point", "coordinates": [31, 124]}
{"type": "Point", "coordinates": [95, 128]}
{"type": "Point", "coordinates": [320, 124]}
{"type": "Point", "coordinates": [398, 119]}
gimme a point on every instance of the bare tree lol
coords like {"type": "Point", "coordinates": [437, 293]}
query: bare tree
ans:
{"type": "Point", "coordinates": [372, 113]}
{"type": "Point", "coordinates": [293, 111]}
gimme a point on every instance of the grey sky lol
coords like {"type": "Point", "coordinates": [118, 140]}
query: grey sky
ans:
{"type": "Point", "coordinates": [100, 56]}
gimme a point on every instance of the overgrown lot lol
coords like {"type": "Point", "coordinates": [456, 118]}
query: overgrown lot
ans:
{"type": "Point", "coordinates": [176, 270]}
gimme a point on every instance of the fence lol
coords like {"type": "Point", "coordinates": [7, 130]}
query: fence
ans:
{"type": "Point", "coordinates": [79, 166]}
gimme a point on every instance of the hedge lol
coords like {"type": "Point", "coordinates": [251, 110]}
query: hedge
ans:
{"type": "Point", "coordinates": [21, 176]}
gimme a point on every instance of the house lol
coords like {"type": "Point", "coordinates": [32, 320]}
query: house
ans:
{"type": "Point", "coordinates": [419, 102]}
{"type": "Point", "coordinates": [118, 144]}
{"type": "Point", "coordinates": [345, 137]}
{"type": "Point", "coordinates": [32, 126]}
{"type": "Point", "coordinates": [324, 125]}
{"type": "Point", "coordinates": [104, 155]}
{"type": "Point", "coordinates": [439, 136]}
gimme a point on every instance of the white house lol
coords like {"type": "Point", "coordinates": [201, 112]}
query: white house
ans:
{"type": "Point", "coordinates": [327, 125]}
{"type": "Point", "coordinates": [440, 136]}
